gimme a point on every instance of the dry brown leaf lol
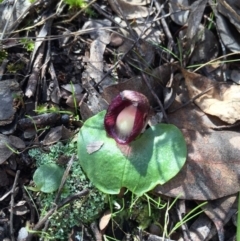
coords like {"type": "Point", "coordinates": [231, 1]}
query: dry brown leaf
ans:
{"type": "Point", "coordinates": [75, 89]}
{"type": "Point", "coordinates": [212, 168]}
{"type": "Point", "coordinates": [221, 101]}
{"type": "Point", "coordinates": [220, 212]}
{"type": "Point", "coordinates": [130, 11]}
{"type": "Point", "coordinates": [8, 90]}
{"type": "Point", "coordinates": [179, 17]}
{"type": "Point", "coordinates": [17, 142]}
{"type": "Point", "coordinates": [56, 134]}
{"type": "Point", "coordinates": [105, 220]}
{"type": "Point", "coordinates": [227, 32]}
{"type": "Point", "coordinates": [6, 148]}
{"type": "Point", "coordinates": [138, 2]}
{"type": "Point", "coordinates": [20, 208]}
{"type": "Point", "coordinates": [94, 146]}
{"type": "Point", "coordinates": [12, 14]}
{"type": "Point", "coordinates": [101, 37]}
{"type": "Point", "coordinates": [230, 9]}
{"type": "Point", "coordinates": [195, 17]}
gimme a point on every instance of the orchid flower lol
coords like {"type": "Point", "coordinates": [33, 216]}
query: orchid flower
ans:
{"type": "Point", "coordinates": [127, 116]}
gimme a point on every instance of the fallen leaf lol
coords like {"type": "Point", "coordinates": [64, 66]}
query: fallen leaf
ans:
{"type": "Point", "coordinates": [138, 2]}
{"type": "Point", "coordinates": [179, 17]}
{"type": "Point", "coordinates": [216, 211]}
{"type": "Point", "coordinates": [195, 17]}
{"type": "Point", "coordinates": [212, 168]}
{"type": "Point", "coordinates": [221, 101]}
{"type": "Point", "coordinates": [235, 75]}
{"type": "Point", "coordinates": [17, 142]}
{"type": "Point", "coordinates": [73, 101]}
{"type": "Point", "coordinates": [5, 148]}
{"type": "Point", "coordinates": [230, 9]}
{"type": "Point", "coordinates": [20, 208]}
{"type": "Point", "coordinates": [94, 146]}
{"type": "Point", "coordinates": [130, 11]}
{"type": "Point", "coordinates": [227, 32]}
{"type": "Point", "coordinates": [12, 15]}
{"type": "Point", "coordinates": [8, 90]}
{"type": "Point", "coordinates": [104, 221]}
{"type": "Point", "coordinates": [220, 211]}
{"type": "Point", "coordinates": [116, 39]}
{"type": "Point", "coordinates": [200, 228]}
{"type": "Point", "coordinates": [73, 88]}
{"type": "Point", "coordinates": [204, 46]}
{"type": "Point", "coordinates": [101, 37]}
{"type": "Point", "coordinates": [56, 134]}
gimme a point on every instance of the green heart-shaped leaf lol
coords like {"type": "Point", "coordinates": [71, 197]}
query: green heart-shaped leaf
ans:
{"type": "Point", "coordinates": [48, 177]}
{"type": "Point", "coordinates": [153, 158]}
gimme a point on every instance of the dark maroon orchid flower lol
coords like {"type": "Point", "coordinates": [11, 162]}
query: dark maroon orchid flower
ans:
{"type": "Point", "coordinates": [127, 116]}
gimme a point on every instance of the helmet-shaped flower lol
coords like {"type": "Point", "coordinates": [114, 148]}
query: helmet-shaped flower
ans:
{"type": "Point", "coordinates": [127, 116]}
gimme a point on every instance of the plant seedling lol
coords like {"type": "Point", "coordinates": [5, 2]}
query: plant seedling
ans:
{"type": "Point", "coordinates": [138, 163]}
{"type": "Point", "coordinates": [48, 177]}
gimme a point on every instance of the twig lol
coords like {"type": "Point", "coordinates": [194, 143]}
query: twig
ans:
{"type": "Point", "coordinates": [223, 65]}
{"type": "Point", "coordinates": [128, 51]}
{"type": "Point", "coordinates": [165, 26]}
{"type": "Point", "coordinates": [56, 90]}
{"type": "Point", "coordinates": [7, 194]}
{"type": "Point", "coordinates": [181, 210]}
{"type": "Point", "coordinates": [56, 206]}
{"type": "Point", "coordinates": [82, 10]}
{"type": "Point", "coordinates": [155, 96]}
{"type": "Point", "coordinates": [8, 20]}
{"type": "Point", "coordinates": [20, 18]}
{"type": "Point", "coordinates": [42, 221]}
{"type": "Point", "coordinates": [64, 178]}
{"type": "Point", "coordinates": [29, 202]}
{"type": "Point", "coordinates": [12, 205]}
{"type": "Point", "coordinates": [116, 64]}
{"type": "Point", "coordinates": [82, 99]}
{"type": "Point", "coordinates": [97, 234]}
{"type": "Point", "coordinates": [98, 8]}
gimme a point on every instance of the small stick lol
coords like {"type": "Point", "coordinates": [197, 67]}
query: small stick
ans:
{"type": "Point", "coordinates": [165, 25]}
{"type": "Point", "coordinates": [96, 232]}
{"type": "Point", "coordinates": [8, 20]}
{"type": "Point", "coordinates": [77, 14]}
{"type": "Point", "coordinates": [64, 178]}
{"type": "Point", "coordinates": [156, 97]}
{"type": "Point", "coordinates": [181, 210]}
{"type": "Point", "coordinates": [98, 8]}
{"type": "Point", "coordinates": [42, 221]}
{"type": "Point", "coordinates": [12, 205]}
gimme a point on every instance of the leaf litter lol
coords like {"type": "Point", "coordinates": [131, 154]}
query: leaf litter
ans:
{"type": "Point", "coordinates": [204, 108]}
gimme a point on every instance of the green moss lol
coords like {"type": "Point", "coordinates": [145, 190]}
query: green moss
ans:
{"type": "Point", "coordinates": [83, 210]}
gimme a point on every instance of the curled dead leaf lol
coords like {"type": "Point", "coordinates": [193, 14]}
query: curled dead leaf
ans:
{"type": "Point", "coordinates": [212, 168]}
{"type": "Point", "coordinates": [104, 221]}
{"type": "Point", "coordinates": [130, 11]}
{"type": "Point", "coordinates": [221, 101]}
